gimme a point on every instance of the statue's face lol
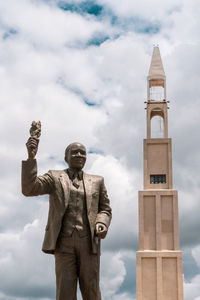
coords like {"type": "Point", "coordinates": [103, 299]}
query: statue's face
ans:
{"type": "Point", "coordinates": [76, 157]}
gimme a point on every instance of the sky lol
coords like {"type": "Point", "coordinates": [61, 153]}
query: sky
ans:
{"type": "Point", "coordinates": [80, 67]}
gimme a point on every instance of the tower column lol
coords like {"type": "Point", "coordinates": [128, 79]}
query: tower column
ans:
{"type": "Point", "coordinates": [159, 259]}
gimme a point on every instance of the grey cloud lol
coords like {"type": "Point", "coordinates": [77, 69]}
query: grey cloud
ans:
{"type": "Point", "coordinates": [129, 283]}
{"type": "Point", "coordinates": [190, 268]}
{"type": "Point", "coordinates": [189, 228]}
{"type": "Point", "coordinates": [120, 240]}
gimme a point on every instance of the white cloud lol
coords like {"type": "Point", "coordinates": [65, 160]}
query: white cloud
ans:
{"type": "Point", "coordinates": [114, 272]}
{"type": "Point", "coordinates": [196, 254]}
{"type": "Point", "coordinates": [146, 9]}
{"type": "Point", "coordinates": [191, 290]}
{"type": "Point", "coordinates": [22, 264]}
{"type": "Point", "coordinates": [120, 184]}
{"type": "Point", "coordinates": [46, 26]}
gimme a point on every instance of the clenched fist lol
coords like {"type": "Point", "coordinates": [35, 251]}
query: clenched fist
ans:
{"type": "Point", "coordinates": [101, 230]}
{"type": "Point", "coordinates": [32, 147]}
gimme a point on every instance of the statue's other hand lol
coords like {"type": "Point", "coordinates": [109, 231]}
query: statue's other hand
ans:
{"type": "Point", "coordinates": [32, 147]}
{"type": "Point", "coordinates": [101, 230]}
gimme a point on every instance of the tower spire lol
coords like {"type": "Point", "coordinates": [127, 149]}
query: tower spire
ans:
{"type": "Point", "coordinates": [156, 79]}
{"type": "Point", "coordinates": [156, 68]}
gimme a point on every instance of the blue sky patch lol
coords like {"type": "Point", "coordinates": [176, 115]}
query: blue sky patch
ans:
{"type": "Point", "coordinates": [95, 151]}
{"type": "Point", "coordinates": [51, 157]}
{"type": "Point", "coordinates": [89, 103]}
{"type": "Point", "coordinates": [143, 26]}
{"type": "Point", "coordinates": [85, 7]}
{"type": "Point", "coordinates": [61, 81]}
{"type": "Point", "coordinates": [149, 29]}
{"type": "Point", "coordinates": [135, 24]}
{"type": "Point", "coordinates": [97, 40]}
{"type": "Point", "coordinates": [9, 33]}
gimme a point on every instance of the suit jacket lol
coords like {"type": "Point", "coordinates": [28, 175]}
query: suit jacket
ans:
{"type": "Point", "coordinates": [56, 184]}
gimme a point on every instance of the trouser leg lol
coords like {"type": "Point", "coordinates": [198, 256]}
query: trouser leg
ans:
{"type": "Point", "coordinates": [66, 273]}
{"type": "Point", "coordinates": [88, 265]}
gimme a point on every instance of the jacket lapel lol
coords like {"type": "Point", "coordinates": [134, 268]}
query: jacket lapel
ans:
{"type": "Point", "coordinates": [64, 179]}
{"type": "Point", "coordinates": [88, 190]}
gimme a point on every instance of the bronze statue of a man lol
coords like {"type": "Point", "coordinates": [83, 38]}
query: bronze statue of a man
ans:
{"type": "Point", "coordinates": [79, 216]}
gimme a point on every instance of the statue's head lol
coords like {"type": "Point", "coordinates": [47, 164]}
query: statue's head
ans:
{"type": "Point", "coordinates": [75, 156]}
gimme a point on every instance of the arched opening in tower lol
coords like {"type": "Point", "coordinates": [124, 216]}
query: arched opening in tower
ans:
{"type": "Point", "coordinates": [157, 127]}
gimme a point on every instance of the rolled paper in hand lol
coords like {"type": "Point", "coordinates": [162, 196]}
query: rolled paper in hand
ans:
{"type": "Point", "coordinates": [35, 130]}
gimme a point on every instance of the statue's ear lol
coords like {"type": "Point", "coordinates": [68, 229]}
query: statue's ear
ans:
{"type": "Point", "coordinates": [66, 159]}
{"type": "Point", "coordinates": [67, 156]}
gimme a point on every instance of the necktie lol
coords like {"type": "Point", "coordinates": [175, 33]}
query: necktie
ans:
{"type": "Point", "coordinates": [75, 182]}
{"type": "Point", "coordinates": [75, 177]}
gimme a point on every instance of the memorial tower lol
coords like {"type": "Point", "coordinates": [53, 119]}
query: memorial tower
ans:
{"type": "Point", "coordinates": [159, 259]}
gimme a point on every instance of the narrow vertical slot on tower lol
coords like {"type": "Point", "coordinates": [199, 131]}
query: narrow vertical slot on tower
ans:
{"type": "Point", "coordinates": [150, 222]}
{"type": "Point", "coordinates": [167, 224]}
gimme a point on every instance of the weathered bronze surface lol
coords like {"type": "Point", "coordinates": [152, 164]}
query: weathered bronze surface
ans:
{"type": "Point", "coordinates": [35, 130]}
{"type": "Point", "coordinates": [79, 216]}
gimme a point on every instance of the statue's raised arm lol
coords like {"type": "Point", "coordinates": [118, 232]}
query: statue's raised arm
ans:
{"type": "Point", "coordinates": [33, 141]}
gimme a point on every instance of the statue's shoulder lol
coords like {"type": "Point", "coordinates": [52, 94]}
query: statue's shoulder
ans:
{"type": "Point", "coordinates": [57, 173]}
{"type": "Point", "coordinates": [93, 177]}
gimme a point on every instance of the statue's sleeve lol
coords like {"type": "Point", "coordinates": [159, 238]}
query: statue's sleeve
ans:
{"type": "Point", "coordinates": [33, 185]}
{"type": "Point", "coordinates": [105, 212]}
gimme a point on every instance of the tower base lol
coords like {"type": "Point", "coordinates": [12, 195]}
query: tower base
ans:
{"type": "Point", "coordinates": [159, 275]}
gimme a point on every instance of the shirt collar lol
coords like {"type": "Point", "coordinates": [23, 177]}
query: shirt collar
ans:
{"type": "Point", "coordinates": [73, 174]}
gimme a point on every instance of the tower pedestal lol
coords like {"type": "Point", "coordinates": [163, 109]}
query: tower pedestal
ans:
{"type": "Point", "coordinates": [159, 261]}
{"type": "Point", "coordinates": [159, 275]}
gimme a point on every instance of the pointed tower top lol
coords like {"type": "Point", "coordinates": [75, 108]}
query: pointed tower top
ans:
{"type": "Point", "coordinates": [156, 67]}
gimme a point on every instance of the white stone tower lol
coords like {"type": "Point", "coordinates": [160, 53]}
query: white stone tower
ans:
{"type": "Point", "coordinates": [159, 259]}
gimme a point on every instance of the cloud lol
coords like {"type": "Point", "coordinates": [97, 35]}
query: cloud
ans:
{"type": "Point", "coordinates": [20, 255]}
{"type": "Point", "coordinates": [150, 10]}
{"type": "Point", "coordinates": [196, 254]}
{"type": "Point", "coordinates": [114, 273]}
{"type": "Point", "coordinates": [22, 264]}
{"type": "Point", "coordinates": [82, 7]}
{"type": "Point", "coordinates": [191, 290]}
{"type": "Point", "coordinates": [46, 26]}
{"type": "Point", "coordinates": [123, 197]}
{"type": "Point", "coordinates": [190, 267]}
